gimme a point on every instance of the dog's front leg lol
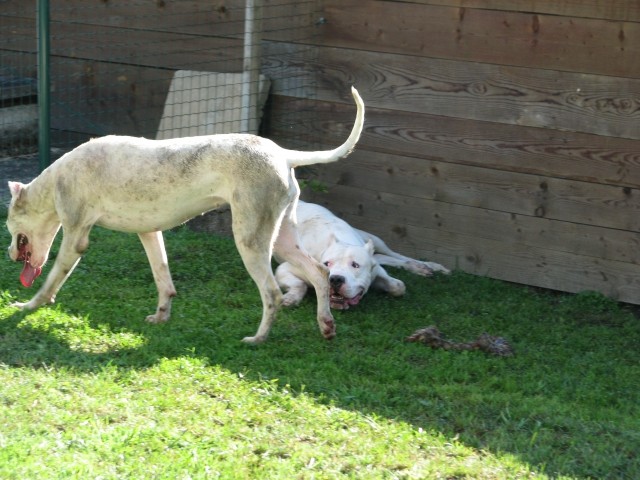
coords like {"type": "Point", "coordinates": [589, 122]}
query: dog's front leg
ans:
{"type": "Point", "coordinates": [290, 249]}
{"type": "Point", "coordinates": [153, 244]}
{"type": "Point", "coordinates": [295, 288]}
{"type": "Point", "coordinates": [71, 249]}
{"type": "Point", "coordinates": [385, 282]}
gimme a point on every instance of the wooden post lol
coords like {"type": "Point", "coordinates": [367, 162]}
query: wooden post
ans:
{"type": "Point", "coordinates": [251, 66]}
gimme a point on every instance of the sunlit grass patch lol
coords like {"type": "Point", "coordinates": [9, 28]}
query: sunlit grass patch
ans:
{"type": "Point", "coordinates": [91, 390]}
{"type": "Point", "coordinates": [78, 333]}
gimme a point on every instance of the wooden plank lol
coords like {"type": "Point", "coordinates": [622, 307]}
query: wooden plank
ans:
{"type": "Point", "coordinates": [19, 36]}
{"type": "Point", "coordinates": [403, 211]}
{"type": "Point", "coordinates": [579, 157]}
{"type": "Point", "coordinates": [167, 50]}
{"type": "Point", "coordinates": [497, 258]}
{"type": "Point", "coordinates": [203, 16]}
{"type": "Point", "coordinates": [121, 46]}
{"type": "Point", "coordinates": [625, 10]}
{"type": "Point", "coordinates": [514, 95]}
{"type": "Point", "coordinates": [537, 266]}
{"type": "Point", "coordinates": [285, 20]}
{"type": "Point", "coordinates": [520, 194]}
{"type": "Point", "coordinates": [503, 38]}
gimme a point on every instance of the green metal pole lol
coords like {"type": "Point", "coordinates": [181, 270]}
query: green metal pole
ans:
{"type": "Point", "coordinates": [44, 100]}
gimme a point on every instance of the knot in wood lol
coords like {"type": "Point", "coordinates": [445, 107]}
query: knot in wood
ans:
{"type": "Point", "coordinates": [478, 88]}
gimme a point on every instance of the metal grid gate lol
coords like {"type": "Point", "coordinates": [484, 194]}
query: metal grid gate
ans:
{"type": "Point", "coordinates": [115, 64]}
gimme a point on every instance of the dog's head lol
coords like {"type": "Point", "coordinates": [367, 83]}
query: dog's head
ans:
{"type": "Point", "coordinates": [32, 232]}
{"type": "Point", "coordinates": [351, 270]}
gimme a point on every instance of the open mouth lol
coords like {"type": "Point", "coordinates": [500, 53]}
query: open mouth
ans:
{"type": "Point", "coordinates": [29, 272]}
{"type": "Point", "coordinates": [340, 302]}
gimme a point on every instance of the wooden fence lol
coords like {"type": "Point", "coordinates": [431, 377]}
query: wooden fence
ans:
{"type": "Point", "coordinates": [112, 61]}
{"type": "Point", "coordinates": [501, 137]}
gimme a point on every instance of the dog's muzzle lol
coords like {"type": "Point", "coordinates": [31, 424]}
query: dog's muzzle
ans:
{"type": "Point", "coordinates": [29, 272]}
{"type": "Point", "coordinates": [336, 281]}
{"type": "Point", "coordinates": [339, 301]}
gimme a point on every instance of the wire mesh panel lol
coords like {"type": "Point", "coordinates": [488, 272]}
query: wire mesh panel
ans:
{"type": "Point", "coordinates": [18, 87]}
{"type": "Point", "coordinates": [116, 63]}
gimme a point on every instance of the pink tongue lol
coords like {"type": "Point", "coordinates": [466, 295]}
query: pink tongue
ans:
{"type": "Point", "coordinates": [354, 301]}
{"type": "Point", "coordinates": [29, 274]}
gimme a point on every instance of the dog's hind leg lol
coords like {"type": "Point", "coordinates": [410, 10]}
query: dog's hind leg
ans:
{"type": "Point", "coordinates": [412, 265]}
{"type": "Point", "coordinates": [385, 256]}
{"type": "Point", "coordinates": [289, 248]}
{"type": "Point", "coordinates": [254, 240]}
{"type": "Point", "coordinates": [270, 294]}
{"type": "Point", "coordinates": [153, 244]}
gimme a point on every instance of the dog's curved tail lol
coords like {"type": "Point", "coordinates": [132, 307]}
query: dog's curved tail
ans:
{"type": "Point", "coordinates": [300, 159]}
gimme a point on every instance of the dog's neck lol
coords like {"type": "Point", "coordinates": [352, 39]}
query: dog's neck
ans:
{"type": "Point", "coordinates": [40, 193]}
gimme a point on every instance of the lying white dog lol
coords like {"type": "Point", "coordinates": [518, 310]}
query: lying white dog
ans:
{"type": "Point", "coordinates": [146, 186]}
{"type": "Point", "coordinates": [354, 259]}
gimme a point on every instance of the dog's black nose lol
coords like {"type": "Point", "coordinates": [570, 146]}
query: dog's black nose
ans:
{"type": "Point", "coordinates": [336, 281]}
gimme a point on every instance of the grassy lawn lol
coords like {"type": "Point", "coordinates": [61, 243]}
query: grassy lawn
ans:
{"type": "Point", "coordinates": [89, 390]}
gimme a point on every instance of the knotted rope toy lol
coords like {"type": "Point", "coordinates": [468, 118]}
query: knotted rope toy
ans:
{"type": "Point", "coordinates": [490, 344]}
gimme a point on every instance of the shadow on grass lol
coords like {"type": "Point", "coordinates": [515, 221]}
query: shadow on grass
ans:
{"type": "Point", "coordinates": [566, 403]}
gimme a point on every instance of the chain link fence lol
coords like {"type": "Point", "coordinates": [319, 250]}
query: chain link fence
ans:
{"type": "Point", "coordinates": [152, 68]}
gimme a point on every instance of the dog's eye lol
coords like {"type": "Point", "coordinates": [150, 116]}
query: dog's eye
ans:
{"type": "Point", "coordinates": [355, 264]}
{"type": "Point", "coordinates": [327, 263]}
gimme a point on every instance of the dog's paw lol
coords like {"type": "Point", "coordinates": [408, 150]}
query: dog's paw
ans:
{"type": "Point", "coordinates": [327, 327]}
{"type": "Point", "coordinates": [426, 269]}
{"type": "Point", "coordinates": [157, 318]}
{"type": "Point", "coordinates": [436, 267]}
{"type": "Point", "coordinates": [419, 268]}
{"type": "Point", "coordinates": [30, 305]}
{"type": "Point", "coordinates": [397, 288]}
{"type": "Point", "coordinates": [291, 300]}
{"type": "Point", "coordinates": [257, 340]}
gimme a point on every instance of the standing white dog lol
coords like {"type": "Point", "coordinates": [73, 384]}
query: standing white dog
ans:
{"type": "Point", "coordinates": [146, 186]}
{"type": "Point", "coordinates": [354, 259]}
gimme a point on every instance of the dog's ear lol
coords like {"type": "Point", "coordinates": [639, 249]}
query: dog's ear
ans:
{"type": "Point", "coordinates": [15, 188]}
{"type": "Point", "coordinates": [369, 246]}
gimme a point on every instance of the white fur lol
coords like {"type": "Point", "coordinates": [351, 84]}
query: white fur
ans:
{"type": "Point", "coordinates": [146, 186]}
{"type": "Point", "coordinates": [354, 259]}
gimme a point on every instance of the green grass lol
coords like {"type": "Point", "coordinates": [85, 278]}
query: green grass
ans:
{"type": "Point", "coordinates": [90, 390]}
